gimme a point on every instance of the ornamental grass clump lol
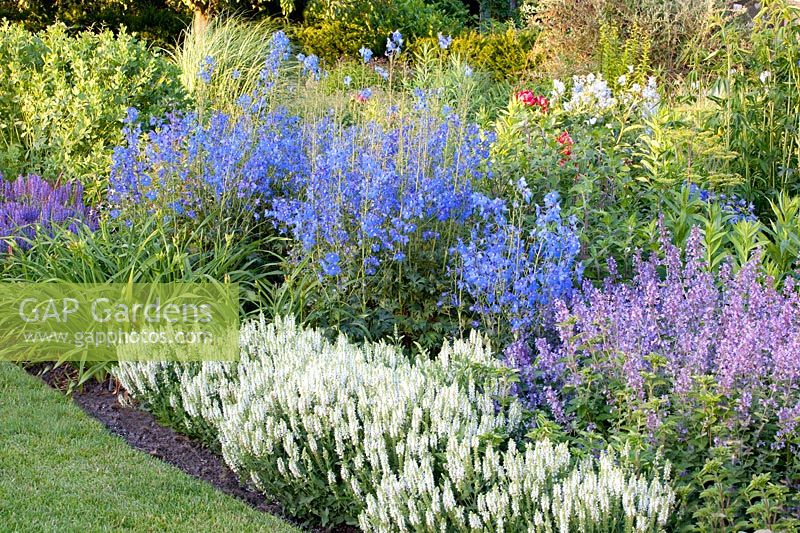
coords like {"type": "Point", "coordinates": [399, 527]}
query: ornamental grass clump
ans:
{"type": "Point", "coordinates": [30, 205]}
{"type": "Point", "coordinates": [367, 436]}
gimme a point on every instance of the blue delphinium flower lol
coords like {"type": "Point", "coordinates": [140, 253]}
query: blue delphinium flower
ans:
{"type": "Point", "coordinates": [511, 273]}
{"type": "Point", "coordinates": [422, 99]}
{"type": "Point", "coordinates": [382, 72]}
{"type": "Point", "coordinates": [524, 190]}
{"type": "Point", "coordinates": [468, 71]}
{"type": "Point", "coordinates": [397, 38]}
{"type": "Point", "coordinates": [206, 69]}
{"type": "Point", "coordinates": [310, 64]}
{"type": "Point", "coordinates": [365, 94]}
{"type": "Point", "coordinates": [347, 81]}
{"type": "Point", "coordinates": [373, 190]}
{"type": "Point", "coordinates": [366, 54]}
{"type": "Point", "coordinates": [737, 209]}
{"type": "Point", "coordinates": [445, 41]}
{"type": "Point", "coordinates": [190, 163]}
{"type": "Point", "coordinates": [330, 264]}
{"type": "Point", "coordinates": [394, 43]}
{"type": "Point", "coordinates": [279, 47]}
{"type": "Point", "coordinates": [187, 163]}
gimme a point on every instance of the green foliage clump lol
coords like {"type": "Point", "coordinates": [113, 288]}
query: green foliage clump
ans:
{"type": "Point", "coordinates": [757, 97]}
{"type": "Point", "coordinates": [63, 99]}
{"type": "Point", "coordinates": [629, 56]}
{"type": "Point", "coordinates": [148, 252]}
{"type": "Point", "coordinates": [728, 236]}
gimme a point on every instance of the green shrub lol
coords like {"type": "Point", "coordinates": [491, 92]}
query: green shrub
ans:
{"type": "Point", "coordinates": [506, 54]}
{"type": "Point", "coordinates": [153, 20]}
{"type": "Point", "coordinates": [333, 39]}
{"type": "Point", "coordinates": [63, 99]}
{"type": "Point", "coordinates": [338, 28]}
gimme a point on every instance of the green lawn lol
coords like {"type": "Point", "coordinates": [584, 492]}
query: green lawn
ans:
{"type": "Point", "coordinates": [60, 470]}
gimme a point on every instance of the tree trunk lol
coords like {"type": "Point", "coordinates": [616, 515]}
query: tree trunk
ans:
{"type": "Point", "coordinates": [199, 21]}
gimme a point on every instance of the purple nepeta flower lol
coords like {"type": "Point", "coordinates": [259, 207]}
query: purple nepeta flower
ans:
{"type": "Point", "coordinates": [684, 325]}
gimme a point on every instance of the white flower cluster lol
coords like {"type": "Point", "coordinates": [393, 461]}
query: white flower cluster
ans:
{"type": "Point", "coordinates": [531, 490]}
{"type": "Point", "coordinates": [592, 95]}
{"type": "Point", "coordinates": [189, 392]}
{"type": "Point", "coordinates": [365, 434]}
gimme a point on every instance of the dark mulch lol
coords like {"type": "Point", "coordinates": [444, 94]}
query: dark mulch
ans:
{"type": "Point", "coordinates": [141, 430]}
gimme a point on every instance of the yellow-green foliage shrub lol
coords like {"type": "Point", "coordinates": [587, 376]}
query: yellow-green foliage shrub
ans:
{"type": "Point", "coordinates": [506, 54]}
{"type": "Point", "coordinates": [63, 100]}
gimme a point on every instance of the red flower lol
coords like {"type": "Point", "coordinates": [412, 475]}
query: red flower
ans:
{"type": "Point", "coordinates": [566, 142]}
{"type": "Point", "coordinates": [531, 100]}
{"type": "Point", "coordinates": [526, 97]}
